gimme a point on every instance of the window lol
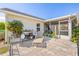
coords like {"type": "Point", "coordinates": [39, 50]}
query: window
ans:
{"type": "Point", "coordinates": [38, 27]}
{"type": "Point", "coordinates": [64, 33]}
{"type": "Point", "coordinates": [64, 28]}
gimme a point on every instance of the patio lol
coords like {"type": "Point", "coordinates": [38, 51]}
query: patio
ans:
{"type": "Point", "coordinates": [54, 48]}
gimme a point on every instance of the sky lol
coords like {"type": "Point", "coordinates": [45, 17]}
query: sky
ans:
{"type": "Point", "coordinates": [44, 10]}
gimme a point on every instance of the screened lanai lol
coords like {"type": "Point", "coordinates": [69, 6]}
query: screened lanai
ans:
{"type": "Point", "coordinates": [61, 27]}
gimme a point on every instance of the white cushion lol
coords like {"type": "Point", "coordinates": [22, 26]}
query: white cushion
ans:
{"type": "Point", "coordinates": [22, 36]}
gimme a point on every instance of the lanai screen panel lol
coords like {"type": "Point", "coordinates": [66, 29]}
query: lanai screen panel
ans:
{"type": "Point", "coordinates": [64, 28]}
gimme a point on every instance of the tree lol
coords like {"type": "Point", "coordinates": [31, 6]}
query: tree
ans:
{"type": "Point", "coordinates": [2, 26]}
{"type": "Point", "coordinates": [15, 27]}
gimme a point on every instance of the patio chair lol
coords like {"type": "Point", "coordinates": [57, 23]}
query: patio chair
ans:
{"type": "Point", "coordinates": [35, 34]}
{"type": "Point", "coordinates": [31, 36]}
{"type": "Point", "coordinates": [39, 42]}
{"type": "Point", "coordinates": [22, 37]}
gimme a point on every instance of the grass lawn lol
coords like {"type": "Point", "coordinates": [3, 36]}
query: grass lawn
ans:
{"type": "Point", "coordinates": [2, 30]}
{"type": "Point", "coordinates": [3, 50]}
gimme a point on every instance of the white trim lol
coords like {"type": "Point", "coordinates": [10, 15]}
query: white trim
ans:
{"type": "Point", "coordinates": [59, 18]}
{"type": "Point", "coordinates": [48, 20]}
{"type": "Point", "coordinates": [70, 28]}
{"type": "Point", "coordinates": [58, 29]}
{"type": "Point", "coordinates": [23, 15]}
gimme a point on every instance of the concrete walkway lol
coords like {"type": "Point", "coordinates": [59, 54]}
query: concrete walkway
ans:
{"type": "Point", "coordinates": [54, 48]}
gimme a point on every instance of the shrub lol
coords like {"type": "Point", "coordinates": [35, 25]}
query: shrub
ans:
{"type": "Point", "coordinates": [49, 33]}
{"type": "Point", "coordinates": [2, 26]}
{"type": "Point", "coordinates": [75, 34]}
{"type": "Point", "coordinates": [2, 31]}
{"type": "Point", "coordinates": [75, 31]}
{"type": "Point", "coordinates": [53, 35]}
{"type": "Point", "coordinates": [3, 50]}
{"type": "Point", "coordinates": [15, 27]}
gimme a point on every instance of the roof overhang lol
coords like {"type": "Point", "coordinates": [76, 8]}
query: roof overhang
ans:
{"type": "Point", "coordinates": [6, 10]}
{"type": "Point", "coordinates": [60, 18]}
{"type": "Point", "coordinates": [23, 15]}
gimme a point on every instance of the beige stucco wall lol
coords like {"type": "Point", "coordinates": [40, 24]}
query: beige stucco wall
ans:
{"type": "Point", "coordinates": [29, 23]}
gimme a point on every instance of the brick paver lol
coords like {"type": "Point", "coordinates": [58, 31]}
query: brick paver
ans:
{"type": "Point", "coordinates": [54, 48]}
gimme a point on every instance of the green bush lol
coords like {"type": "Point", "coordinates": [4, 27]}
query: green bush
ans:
{"type": "Point", "coordinates": [74, 39]}
{"type": "Point", "coordinates": [50, 33]}
{"type": "Point", "coordinates": [53, 35]}
{"type": "Point", "coordinates": [2, 31]}
{"type": "Point", "coordinates": [3, 50]}
{"type": "Point", "coordinates": [15, 27]}
{"type": "Point", "coordinates": [2, 26]}
{"type": "Point", "coordinates": [75, 31]}
{"type": "Point", "coordinates": [75, 34]}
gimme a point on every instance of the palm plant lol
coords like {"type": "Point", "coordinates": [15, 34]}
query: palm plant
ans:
{"type": "Point", "coordinates": [15, 27]}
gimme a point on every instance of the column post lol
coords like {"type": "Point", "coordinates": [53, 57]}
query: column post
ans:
{"type": "Point", "coordinates": [50, 25]}
{"type": "Point", "coordinates": [58, 29]}
{"type": "Point", "coordinates": [6, 36]}
{"type": "Point", "coordinates": [55, 30]}
{"type": "Point", "coordinates": [70, 28]}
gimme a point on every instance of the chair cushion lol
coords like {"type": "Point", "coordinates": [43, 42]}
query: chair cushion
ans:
{"type": "Point", "coordinates": [38, 40]}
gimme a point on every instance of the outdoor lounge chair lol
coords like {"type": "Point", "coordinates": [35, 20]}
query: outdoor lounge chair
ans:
{"type": "Point", "coordinates": [22, 37]}
{"type": "Point", "coordinates": [39, 42]}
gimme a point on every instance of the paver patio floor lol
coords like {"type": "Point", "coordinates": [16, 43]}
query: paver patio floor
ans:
{"type": "Point", "coordinates": [54, 48]}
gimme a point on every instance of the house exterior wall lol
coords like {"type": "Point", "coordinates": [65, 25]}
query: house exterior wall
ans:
{"type": "Point", "coordinates": [29, 23]}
